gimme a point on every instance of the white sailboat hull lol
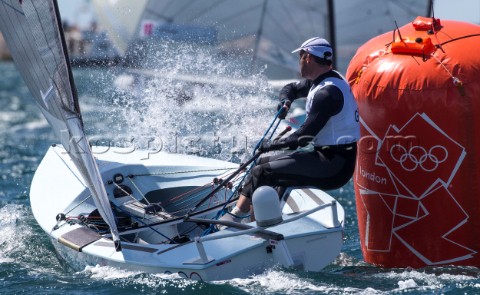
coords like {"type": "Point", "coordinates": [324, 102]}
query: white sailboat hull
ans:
{"type": "Point", "coordinates": [309, 243]}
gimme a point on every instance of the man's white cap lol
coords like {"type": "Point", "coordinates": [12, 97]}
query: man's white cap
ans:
{"type": "Point", "coordinates": [318, 47]}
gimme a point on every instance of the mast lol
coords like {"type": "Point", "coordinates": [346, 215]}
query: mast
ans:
{"type": "Point", "coordinates": [331, 30]}
{"type": "Point", "coordinates": [430, 8]}
{"type": "Point", "coordinates": [76, 104]}
{"type": "Point", "coordinates": [259, 35]}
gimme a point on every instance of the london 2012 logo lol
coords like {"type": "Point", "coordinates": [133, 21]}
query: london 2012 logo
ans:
{"type": "Point", "coordinates": [418, 163]}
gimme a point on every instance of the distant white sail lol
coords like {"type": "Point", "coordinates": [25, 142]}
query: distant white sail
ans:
{"type": "Point", "coordinates": [34, 37]}
{"type": "Point", "coordinates": [259, 32]}
{"type": "Point", "coordinates": [120, 19]}
{"type": "Point", "coordinates": [357, 21]}
{"type": "Point", "coordinates": [266, 31]}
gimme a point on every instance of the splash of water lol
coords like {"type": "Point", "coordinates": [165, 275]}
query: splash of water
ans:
{"type": "Point", "coordinates": [280, 282]}
{"type": "Point", "coordinates": [196, 101]}
{"type": "Point", "coordinates": [139, 280]}
{"type": "Point", "coordinates": [9, 239]}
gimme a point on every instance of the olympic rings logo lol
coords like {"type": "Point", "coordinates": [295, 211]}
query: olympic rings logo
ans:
{"type": "Point", "coordinates": [417, 156]}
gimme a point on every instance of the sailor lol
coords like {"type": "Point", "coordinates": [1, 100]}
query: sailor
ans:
{"type": "Point", "coordinates": [327, 139]}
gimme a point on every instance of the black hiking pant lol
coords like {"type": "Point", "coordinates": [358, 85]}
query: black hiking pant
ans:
{"type": "Point", "coordinates": [328, 167]}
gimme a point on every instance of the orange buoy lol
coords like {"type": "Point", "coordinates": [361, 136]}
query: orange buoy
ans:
{"type": "Point", "coordinates": [417, 180]}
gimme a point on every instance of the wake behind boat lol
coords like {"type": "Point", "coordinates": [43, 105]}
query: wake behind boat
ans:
{"type": "Point", "coordinates": [152, 212]}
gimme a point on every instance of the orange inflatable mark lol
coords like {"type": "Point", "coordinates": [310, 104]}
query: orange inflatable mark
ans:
{"type": "Point", "coordinates": [368, 60]}
{"type": "Point", "coordinates": [422, 23]}
{"type": "Point", "coordinates": [419, 46]}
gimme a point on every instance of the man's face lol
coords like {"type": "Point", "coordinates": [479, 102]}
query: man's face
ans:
{"type": "Point", "coordinates": [305, 64]}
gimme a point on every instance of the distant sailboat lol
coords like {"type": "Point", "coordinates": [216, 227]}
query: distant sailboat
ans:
{"type": "Point", "coordinates": [120, 19]}
{"type": "Point", "coordinates": [262, 32]}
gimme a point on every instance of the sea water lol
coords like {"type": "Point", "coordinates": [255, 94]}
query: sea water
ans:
{"type": "Point", "coordinates": [220, 121]}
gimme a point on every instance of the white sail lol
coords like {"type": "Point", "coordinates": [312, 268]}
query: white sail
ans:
{"type": "Point", "coordinates": [258, 32]}
{"type": "Point", "coordinates": [34, 37]}
{"type": "Point", "coordinates": [120, 19]}
{"type": "Point", "coordinates": [357, 21]}
{"type": "Point", "coordinates": [266, 31]}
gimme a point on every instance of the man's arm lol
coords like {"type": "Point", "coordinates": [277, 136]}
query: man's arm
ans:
{"type": "Point", "coordinates": [295, 90]}
{"type": "Point", "coordinates": [327, 103]}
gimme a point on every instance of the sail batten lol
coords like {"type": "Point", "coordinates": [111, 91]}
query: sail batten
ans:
{"type": "Point", "coordinates": [32, 30]}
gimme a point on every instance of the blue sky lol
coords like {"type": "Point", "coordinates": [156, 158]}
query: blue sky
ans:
{"type": "Point", "coordinates": [80, 11]}
{"type": "Point", "coordinates": [462, 10]}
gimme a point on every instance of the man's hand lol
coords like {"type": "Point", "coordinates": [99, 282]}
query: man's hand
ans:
{"type": "Point", "coordinates": [283, 108]}
{"type": "Point", "coordinates": [266, 146]}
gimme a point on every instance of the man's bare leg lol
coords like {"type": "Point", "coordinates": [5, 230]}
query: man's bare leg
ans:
{"type": "Point", "coordinates": [241, 209]}
{"type": "Point", "coordinates": [243, 204]}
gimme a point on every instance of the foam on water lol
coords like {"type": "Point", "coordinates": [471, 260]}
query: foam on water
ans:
{"type": "Point", "coordinates": [107, 273]}
{"type": "Point", "coordinates": [25, 251]}
{"type": "Point", "coordinates": [431, 279]}
{"type": "Point", "coordinates": [410, 283]}
{"type": "Point", "coordinates": [141, 281]}
{"type": "Point", "coordinates": [10, 239]}
{"type": "Point", "coordinates": [17, 236]}
{"type": "Point", "coordinates": [344, 260]}
{"type": "Point", "coordinates": [274, 281]}
{"type": "Point", "coordinates": [279, 281]}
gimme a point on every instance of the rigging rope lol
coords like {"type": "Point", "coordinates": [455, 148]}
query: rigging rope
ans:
{"type": "Point", "coordinates": [180, 172]}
